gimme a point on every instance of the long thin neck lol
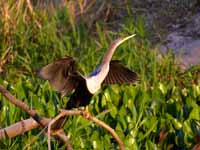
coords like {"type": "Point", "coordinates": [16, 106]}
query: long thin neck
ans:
{"type": "Point", "coordinates": [109, 53]}
{"type": "Point", "coordinates": [94, 82]}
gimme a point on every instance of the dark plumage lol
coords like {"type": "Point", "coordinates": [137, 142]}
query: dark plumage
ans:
{"type": "Point", "coordinates": [64, 77]}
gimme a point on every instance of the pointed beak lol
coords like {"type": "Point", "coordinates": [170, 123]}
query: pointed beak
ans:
{"type": "Point", "coordinates": [121, 40]}
{"type": "Point", "coordinates": [126, 38]}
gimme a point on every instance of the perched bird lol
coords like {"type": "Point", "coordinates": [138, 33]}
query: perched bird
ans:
{"type": "Point", "coordinates": [64, 77]}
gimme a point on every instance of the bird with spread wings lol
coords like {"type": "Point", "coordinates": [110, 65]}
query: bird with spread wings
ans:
{"type": "Point", "coordinates": [64, 77]}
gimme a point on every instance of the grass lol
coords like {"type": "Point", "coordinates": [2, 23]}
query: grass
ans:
{"type": "Point", "coordinates": [160, 112]}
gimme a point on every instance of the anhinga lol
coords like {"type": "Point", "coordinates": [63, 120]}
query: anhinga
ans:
{"type": "Point", "coordinates": [64, 77]}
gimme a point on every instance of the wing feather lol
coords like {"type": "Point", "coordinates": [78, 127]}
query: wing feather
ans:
{"type": "Point", "coordinates": [118, 74]}
{"type": "Point", "coordinates": [61, 74]}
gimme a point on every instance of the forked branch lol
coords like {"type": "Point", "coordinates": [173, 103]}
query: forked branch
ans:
{"type": "Point", "coordinates": [39, 121]}
{"type": "Point", "coordinates": [88, 116]}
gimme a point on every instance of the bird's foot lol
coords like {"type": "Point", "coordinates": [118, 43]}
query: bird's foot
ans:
{"type": "Point", "coordinates": [85, 112]}
{"type": "Point", "coordinates": [61, 110]}
{"type": "Point", "coordinates": [87, 115]}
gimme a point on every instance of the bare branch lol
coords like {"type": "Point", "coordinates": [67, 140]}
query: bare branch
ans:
{"type": "Point", "coordinates": [34, 139]}
{"type": "Point", "coordinates": [42, 121]}
{"type": "Point", "coordinates": [18, 128]}
{"type": "Point", "coordinates": [60, 134]}
{"type": "Point", "coordinates": [109, 129]}
{"type": "Point", "coordinates": [88, 116]}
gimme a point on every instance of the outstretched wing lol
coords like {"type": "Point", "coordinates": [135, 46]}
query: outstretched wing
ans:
{"type": "Point", "coordinates": [61, 74]}
{"type": "Point", "coordinates": [118, 74]}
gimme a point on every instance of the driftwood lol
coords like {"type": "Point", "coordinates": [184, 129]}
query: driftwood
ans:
{"type": "Point", "coordinates": [38, 121]}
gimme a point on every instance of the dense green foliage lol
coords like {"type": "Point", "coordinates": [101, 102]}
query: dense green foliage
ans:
{"type": "Point", "coordinates": [160, 112]}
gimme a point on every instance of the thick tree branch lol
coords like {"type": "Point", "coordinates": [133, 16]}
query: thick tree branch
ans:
{"type": "Point", "coordinates": [18, 128]}
{"type": "Point", "coordinates": [42, 121]}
